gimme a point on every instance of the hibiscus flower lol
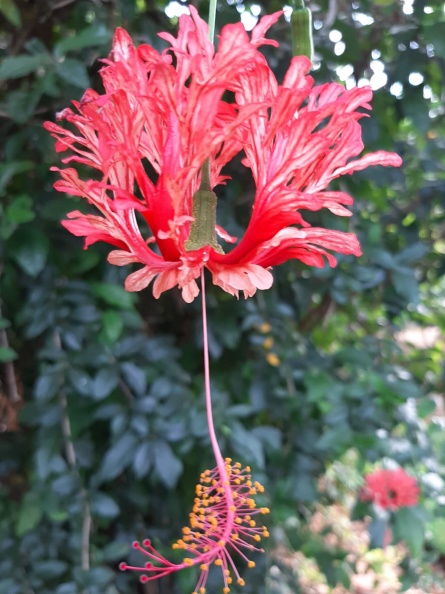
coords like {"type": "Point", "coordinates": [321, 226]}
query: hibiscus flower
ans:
{"type": "Point", "coordinates": [160, 134]}
{"type": "Point", "coordinates": [390, 489]}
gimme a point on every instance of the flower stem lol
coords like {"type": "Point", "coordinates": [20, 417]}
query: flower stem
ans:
{"type": "Point", "coordinates": [211, 427]}
{"type": "Point", "coordinates": [212, 19]}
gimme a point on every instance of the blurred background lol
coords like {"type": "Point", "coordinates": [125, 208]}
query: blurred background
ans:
{"type": "Point", "coordinates": [330, 374]}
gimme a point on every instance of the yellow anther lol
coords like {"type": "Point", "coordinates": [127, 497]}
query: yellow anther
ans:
{"type": "Point", "coordinates": [266, 534]}
{"type": "Point", "coordinates": [175, 546]}
{"type": "Point", "coordinates": [268, 343]}
{"type": "Point", "coordinates": [237, 481]}
{"type": "Point", "coordinates": [257, 537]}
{"type": "Point", "coordinates": [241, 582]}
{"type": "Point", "coordinates": [273, 359]}
{"type": "Point", "coordinates": [265, 328]}
{"type": "Point", "coordinates": [264, 510]}
{"type": "Point", "coordinates": [251, 564]}
{"type": "Point", "coordinates": [237, 465]}
{"type": "Point", "coordinates": [218, 562]}
{"type": "Point", "coordinates": [252, 491]}
{"type": "Point", "coordinates": [188, 561]}
{"type": "Point", "coordinates": [248, 483]}
{"type": "Point", "coordinates": [229, 580]}
{"type": "Point", "coordinates": [232, 508]}
{"type": "Point", "coordinates": [238, 520]}
{"type": "Point", "coordinates": [186, 530]}
{"type": "Point", "coordinates": [221, 543]}
{"type": "Point", "coordinates": [226, 590]}
{"type": "Point", "coordinates": [247, 469]}
{"type": "Point", "coordinates": [202, 590]}
{"type": "Point", "coordinates": [235, 536]}
{"type": "Point", "coordinates": [226, 572]}
{"type": "Point", "coordinates": [228, 460]}
{"type": "Point", "coordinates": [252, 523]}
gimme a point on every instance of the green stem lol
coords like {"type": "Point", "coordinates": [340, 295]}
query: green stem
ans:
{"type": "Point", "coordinates": [212, 19]}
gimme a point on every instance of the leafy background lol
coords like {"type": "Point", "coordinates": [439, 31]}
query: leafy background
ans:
{"type": "Point", "coordinates": [103, 432]}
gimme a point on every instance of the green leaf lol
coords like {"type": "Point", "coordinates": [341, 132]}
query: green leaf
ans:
{"type": "Point", "coordinates": [29, 248]}
{"type": "Point", "coordinates": [143, 459]}
{"type": "Point", "coordinates": [29, 516]}
{"type": "Point", "coordinates": [104, 383]}
{"type": "Point", "coordinates": [435, 34]}
{"type": "Point", "coordinates": [437, 534]}
{"type": "Point", "coordinates": [118, 457]}
{"type": "Point", "coordinates": [18, 66]}
{"type": "Point", "coordinates": [50, 569]}
{"type": "Point", "coordinates": [7, 354]}
{"type": "Point", "coordinates": [104, 506]}
{"type": "Point", "coordinates": [409, 526]}
{"type": "Point", "coordinates": [20, 210]}
{"type": "Point", "coordinates": [168, 467]}
{"type": "Point", "coordinates": [9, 170]}
{"type": "Point", "coordinates": [112, 326]}
{"type": "Point", "coordinates": [114, 295]}
{"type": "Point", "coordinates": [73, 72]}
{"type": "Point", "coordinates": [115, 550]}
{"type": "Point", "coordinates": [9, 10]}
{"type": "Point", "coordinates": [90, 37]}
{"type": "Point", "coordinates": [247, 445]}
{"type": "Point", "coordinates": [21, 105]}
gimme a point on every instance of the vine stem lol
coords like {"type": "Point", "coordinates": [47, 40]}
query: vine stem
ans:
{"type": "Point", "coordinates": [70, 454]}
{"type": "Point", "coordinates": [212, 19]}
{"type": "Point", "coordinates": [220, 463]}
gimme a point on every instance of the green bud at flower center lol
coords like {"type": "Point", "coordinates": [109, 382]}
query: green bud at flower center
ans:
{"type": "Point", "coordinates": [203, 232]}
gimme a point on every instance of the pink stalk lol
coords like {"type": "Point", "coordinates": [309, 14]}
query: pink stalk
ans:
{"type": "Point", "coordinates": [208, 397]}
{"type": "Point", "coordinates": [221, 521]}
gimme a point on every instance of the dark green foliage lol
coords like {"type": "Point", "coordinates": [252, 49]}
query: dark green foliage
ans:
{"type": "Point", "coordinates": [101, 400]}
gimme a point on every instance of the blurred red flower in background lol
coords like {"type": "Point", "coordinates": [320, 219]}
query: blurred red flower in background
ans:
{"type": "Point", "coordinates": [169, 119]}
{"type": "Point", "coordinates": [390, 489]}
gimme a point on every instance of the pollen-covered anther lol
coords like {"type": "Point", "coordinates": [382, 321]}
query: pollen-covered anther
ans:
{"type": "Point", "coordinates": [251, 564]}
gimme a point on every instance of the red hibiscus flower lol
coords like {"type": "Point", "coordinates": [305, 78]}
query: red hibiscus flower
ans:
{"type": "Point", "coordinates": [390, 489]}
{"type": "Point", "coordinates": [159, 122]}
